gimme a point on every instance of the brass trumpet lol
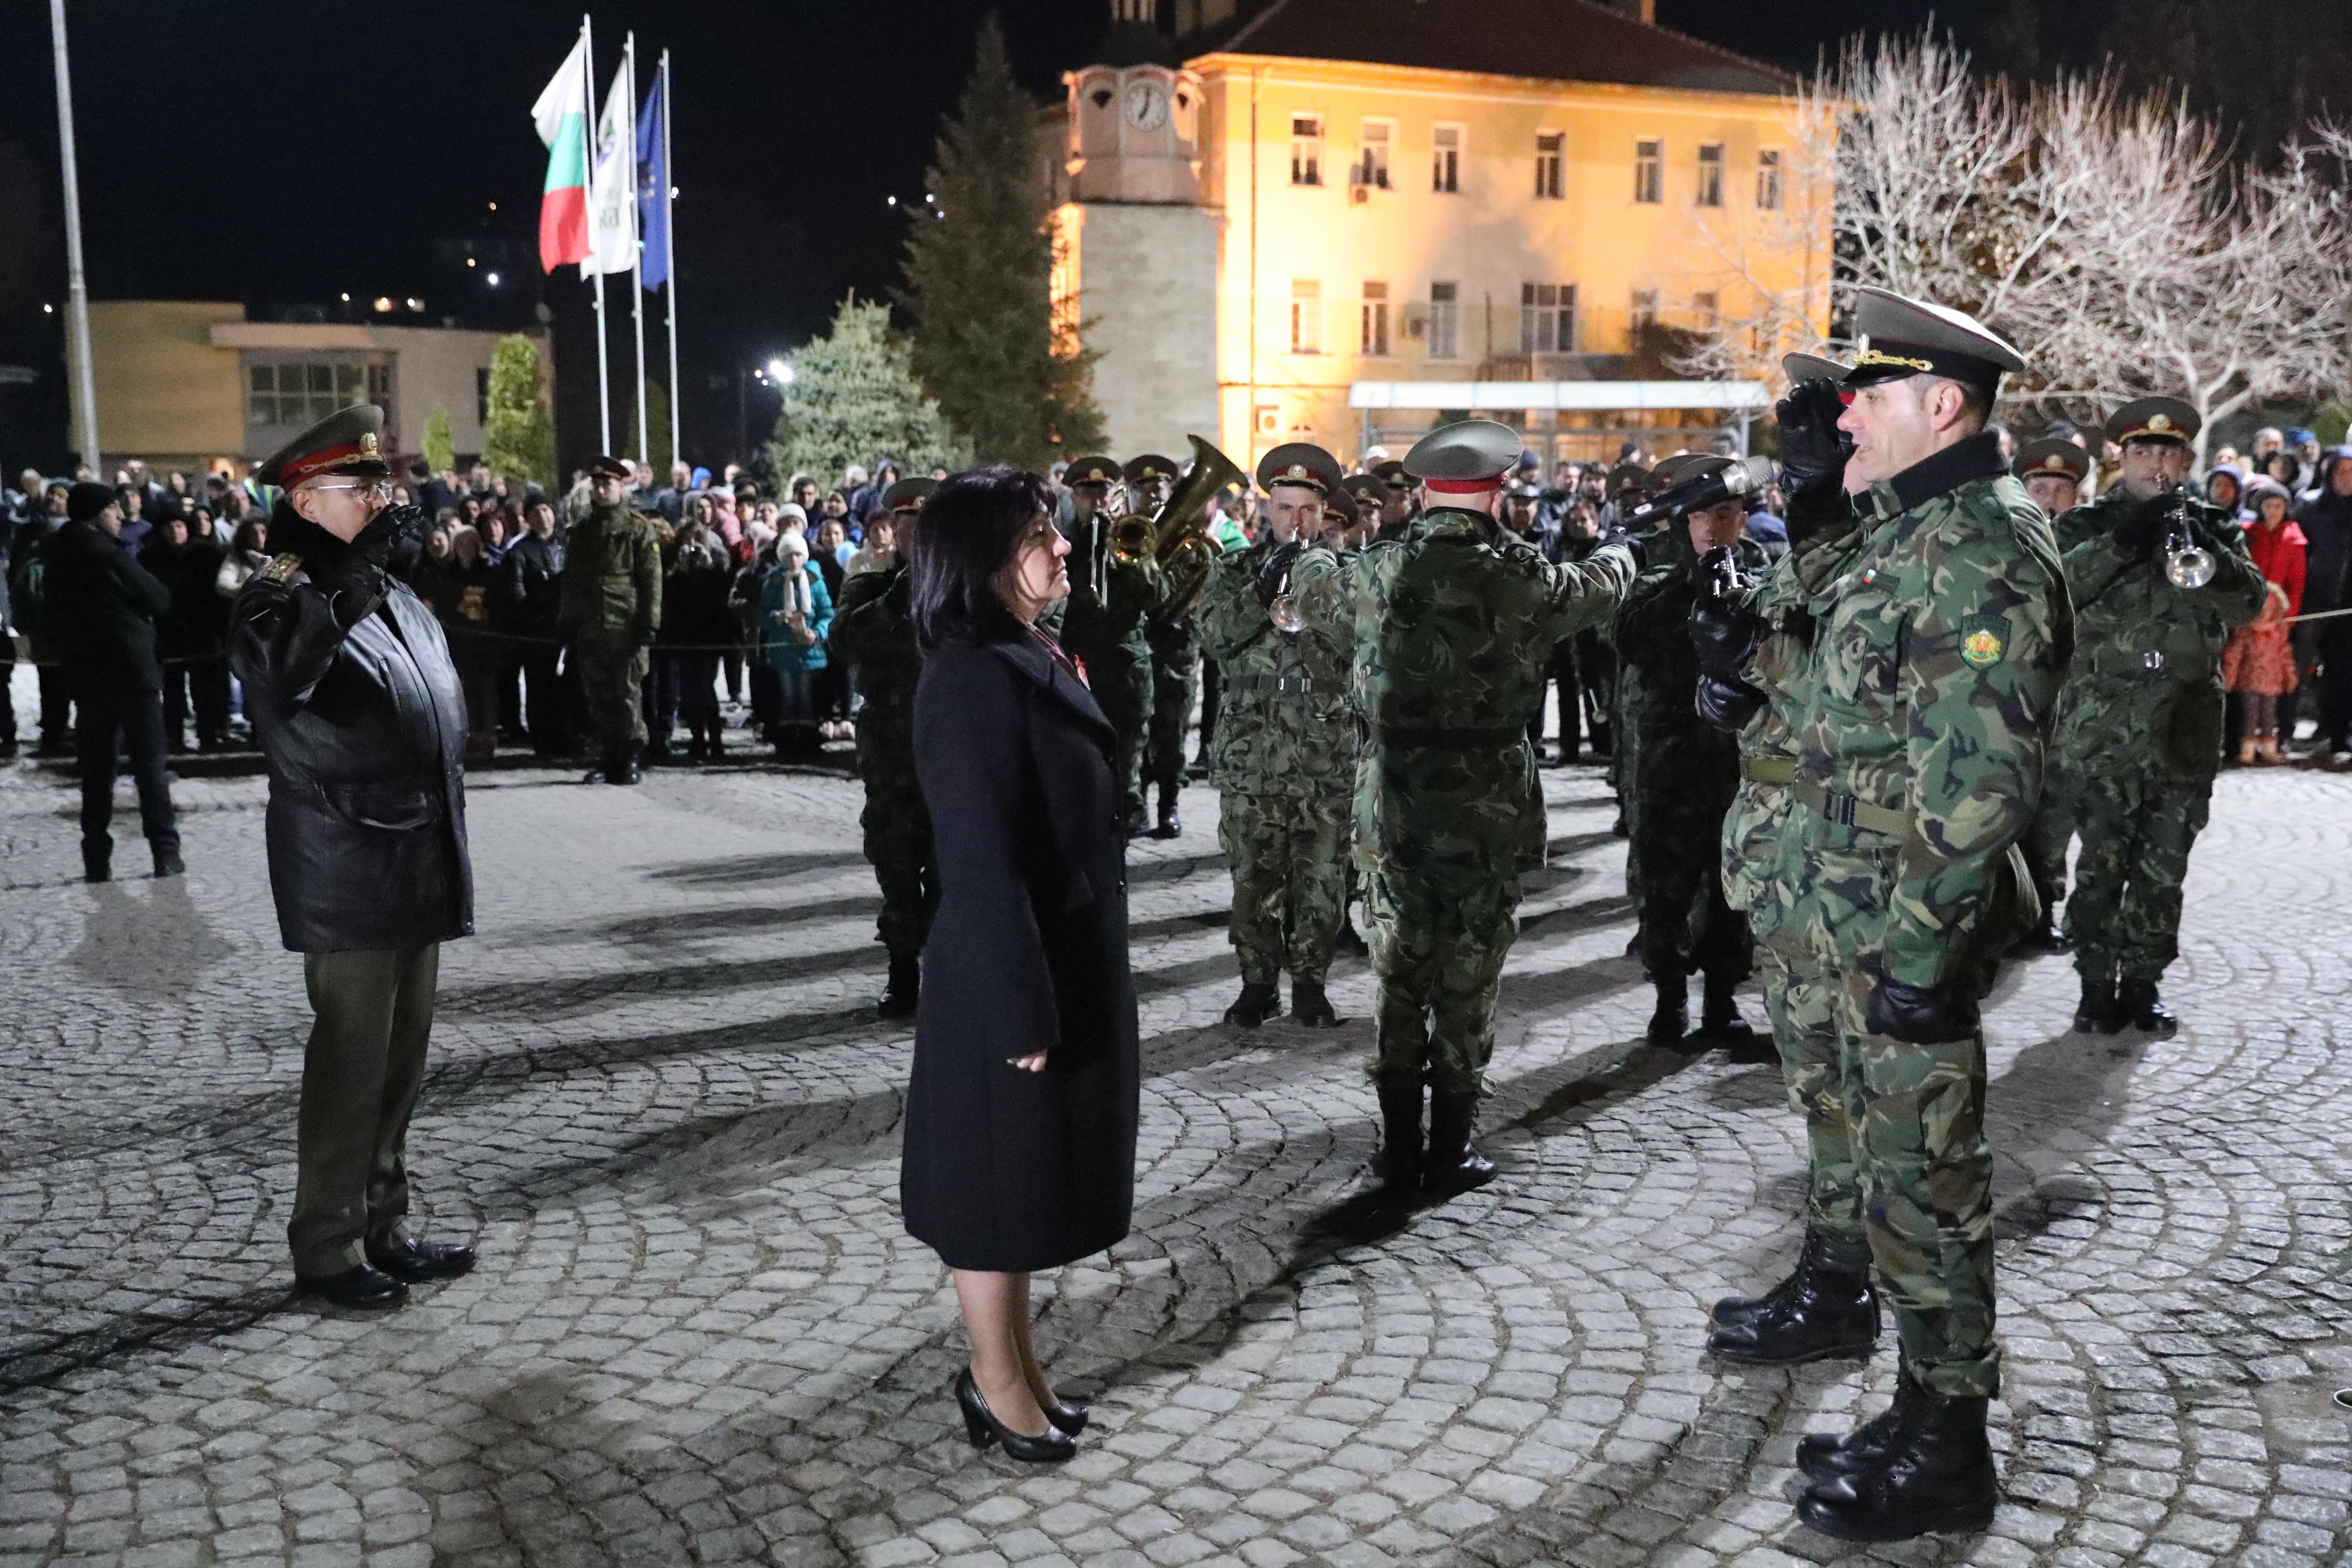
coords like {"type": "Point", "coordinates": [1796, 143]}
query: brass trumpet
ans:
{"type": "Point", "coordinates": [2187, 563]}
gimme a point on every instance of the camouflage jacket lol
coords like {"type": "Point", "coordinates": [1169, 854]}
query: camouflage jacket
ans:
{"type": "Point", "coordinates": [1285, 725]}
{"type": "Point", "coordinates": [2144, 689]}
{"type": "Point", "coordinates": [1936, 655]}
{"type": "Point", "coordinates": [1106, 619]}
{"type": "Point", "coordinates": [613, 576]}
{"type": "Point", "coordinates": [873, 631]}
{"type": "Point", "coordinates": [1651, 631]}
{"type": "Point", "coordinates": [1450, 637]}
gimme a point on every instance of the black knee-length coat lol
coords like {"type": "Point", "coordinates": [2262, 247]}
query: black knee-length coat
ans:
{"type": "Point", "coordinates": [1005, 1169]}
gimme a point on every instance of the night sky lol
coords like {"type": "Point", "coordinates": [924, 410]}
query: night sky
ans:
{"type": "Point", "coordinates": [284, 151]}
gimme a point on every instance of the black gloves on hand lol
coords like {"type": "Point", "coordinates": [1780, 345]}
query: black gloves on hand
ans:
{"type": "Point", "coordinates": [1916, 1015]}
{"type": "Point", "coordinates": [2142, 523]}
{"type": "Point", "coordinates": [388, 534]}
{"type": "Point", "coordinates": [1726, 702]}
{"type": "Point", "coordinates": [1726, 635]}
{"type": "Point", "coordinates": [1813, 451]}
{"type": "Point", "coordinates": [1274, 575]}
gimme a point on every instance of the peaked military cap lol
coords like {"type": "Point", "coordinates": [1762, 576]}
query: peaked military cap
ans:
{"type": "Point", "coordinates": [1338, 503]}
{"type": "Point", "coordinates": [908, 495]}
{"type": "Point", "coordinates": [1628, 477]}
{"type": "Point", "coordinates": [348, 441]}
{"type": "Point", "coordinates": [1150, 466]}
{"type": "Point", "coordinates": [1390, 472]}
{"type": "Point", "coordinates": [1299, 463]}
{"type": "Point", "coordinates": [1675, 470]}
{"type": "Point", "coordinates": [1368, 489]}
{"type": "Point", "coordinates": [1813, 367]}
{"type": "Point", "coordinates": [1465, 458]}
{"type": "Point", "coordinates": [2052, 456]}
{"type": "Point", "coordinates": [1895, 337]}
{"type": "Point", "coordinates": [1092, 471]}
{"type": "Point", "coordinates": [2154, 419]}
{"type": "Point", "coordinates": [604, 465]}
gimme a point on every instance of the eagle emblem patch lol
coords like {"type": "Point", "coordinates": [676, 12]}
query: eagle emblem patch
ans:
{"type": "Point", "coordinates": [1981, 646]}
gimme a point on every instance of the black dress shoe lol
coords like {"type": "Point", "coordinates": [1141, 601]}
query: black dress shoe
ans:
{"type": "Point", "coordinates": [169, 866]}
{"type": "Point", "coordinates": [1452, 1165]}
{"type": "Point", "coordinates": [418, 1261]}
{"type": "Point", "coordinates": [1070, 1419]}
{"type": "Point", "coordinates": [1258, 1002]}
{"type": "Point", "coordinates": [1936, 1476]}
{"type": "Point", "coordinates": [629, 773]}
{"type": "Point", "coordinates": [1825, 1455]}
{"type": "Point", "coordinates": [1309, 1006]}
{"type": "Point", "coordinates": [2137, 1005]}
{"type": "Point", "coordinates": [1670, 1019]}
{"type": "Point", "coordinates": [1825, 1311]}
{"type": "Point", "coordinates": [2097, 1013]}
{"type": "Point", "coordinates": [359, 1288]}
{"type": "Point", "coordinates": [904, 991]}
{"type": "Point", "coordinates": [1051, 1448]}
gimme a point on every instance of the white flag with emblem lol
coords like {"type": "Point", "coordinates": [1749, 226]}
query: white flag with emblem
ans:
{"type": "Point", "coordinates": [613, 183]}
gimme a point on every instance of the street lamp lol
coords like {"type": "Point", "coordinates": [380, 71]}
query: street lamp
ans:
{"type": "Point", "coordinates": [780, 372]}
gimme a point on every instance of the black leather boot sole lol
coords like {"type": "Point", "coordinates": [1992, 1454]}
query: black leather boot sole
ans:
{"type": "Point", "coordinates": [1258, 1002]}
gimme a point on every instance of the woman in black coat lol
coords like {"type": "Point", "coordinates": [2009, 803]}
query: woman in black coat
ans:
{"type": "Point", "coordinates": [1020, 1141]}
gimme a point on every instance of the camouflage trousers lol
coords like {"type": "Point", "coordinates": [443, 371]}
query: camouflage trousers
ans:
{"type": "Point", "coordinates": [1686, 924]}
{"type": "Point", "coordinates": [1803, 1004]}
{"type": "Point", "coordinates": [1289, 856]}
{"type": "Point", "coordinates": [2045, 841]}
{"type": "Point", "coordinates": [1175, 670]}
{"type": "Point", "coordinates": [1439, 935]}
{"type": "Point", "coordinates": [897, 828]}
{"type": "Point", "coordinates": [611, 674]}
{"type": "Point", "coordinates": [1122, 688]}
{"type": "Point", "coordinates": [2136, 831]}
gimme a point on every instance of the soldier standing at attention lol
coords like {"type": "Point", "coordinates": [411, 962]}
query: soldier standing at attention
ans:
{"type": "Point", "coordinates": [1175, 655]}
{"type": "Point", "coordinates": [874, 633]}
{"type": "Point", "coordinates": [357, 708]}
{"type": "Point", "coordinates": [1105, 624]}
{"type": "Point", "coordinates": [611, 608]}
{"type": "Point", "coordinates": [1450, 629]}
{"type": "Point", "coordinates": [1925, 712]}
{"type": "Point", "coordinates": [1284, 754]}
{"type": "Point", "coordinates": [2139, 727]}
{"type": "Point", "coordinates": [2054, 469]}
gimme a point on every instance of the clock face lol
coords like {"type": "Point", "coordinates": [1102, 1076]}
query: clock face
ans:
{"type": "Point", "coordinates": [1146, 105]}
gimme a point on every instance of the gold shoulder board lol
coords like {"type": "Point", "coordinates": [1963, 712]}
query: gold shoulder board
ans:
{"type": "Point", "coordinates": [281, 568]}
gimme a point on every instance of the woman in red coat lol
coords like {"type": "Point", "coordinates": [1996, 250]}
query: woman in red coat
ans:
{"type": "Point", "coordinates": [2259, 663]}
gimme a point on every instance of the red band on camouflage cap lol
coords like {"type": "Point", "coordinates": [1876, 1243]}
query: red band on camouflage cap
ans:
{"type": "Point", "coordinates": [1463, 486]}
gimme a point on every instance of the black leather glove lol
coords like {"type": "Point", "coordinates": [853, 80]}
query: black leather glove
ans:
{"type": "Point", "coordinates": [1273, 573]}
{"type": "Point", "coordinates": [387, 532]}
{"type": "Point", "coordinates": [1813, 451]}
{"type": "Point", "coordinates": [1726, 635]}
{"type": "Point", "coordinates": [1726, 702]}
{"type": "Point", "coordinates": [1917, 1015]}
{"type": "Point", "coordinates": [2142, 523]}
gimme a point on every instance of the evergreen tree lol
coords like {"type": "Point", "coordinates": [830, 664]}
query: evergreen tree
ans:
{"type": "Point", "coordinates": [656, 429]}
{"type": "Point", "coordinates": [440, 450]}
{"type": "Point", "coordinates": [854, 398]}
{"type": "Point", "coordinates": [518, 436]}
{"type": "Point", "coordinates": [978, 263]}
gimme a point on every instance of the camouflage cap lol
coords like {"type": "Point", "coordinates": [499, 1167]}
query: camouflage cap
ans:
{"type": "Point", "coordinates": [2052, 456]}
{"type": "Point", "coordinates": [1813, 367]}
{"type": "Point", "coordinates": [348, 441]}
{"type": "Point", "coordinates": [1150, 466]}
{"type": "Point", "coordinates": [2154, 419]}
{"type": "Point", "coordinates": [1895, 337]}
{"type": "Point", "coordinates": [1092, 471]}
{"type": "Point", "coordinates": [1465, 458]}
{"type": "Point", "coordinates": [908, 495]}
{"type": "Point", "coordinates": [604, 465]}
{"type": "Point", "coordinates": [1299, 463]}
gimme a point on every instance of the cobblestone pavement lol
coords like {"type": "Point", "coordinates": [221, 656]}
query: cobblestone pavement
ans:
{"type": "Point", "coordinates": [699, 1334]}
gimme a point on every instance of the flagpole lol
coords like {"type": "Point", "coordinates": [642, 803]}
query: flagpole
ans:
{"type": "Point", "coordinates": [637, 260]}
{"type": "Point", "coordinates": [85, 388]}
{"type": "Point", "coordinates": [588, 141]}
{"type": "Point", "coordinates": [670, 253]}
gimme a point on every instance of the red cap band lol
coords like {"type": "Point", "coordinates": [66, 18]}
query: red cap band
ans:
{"type": "Point", "coordinates": [1463, 486]}
{"type": "Point", "coordinates": [312, 464]}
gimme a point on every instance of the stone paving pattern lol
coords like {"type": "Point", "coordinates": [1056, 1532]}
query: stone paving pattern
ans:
{"type": "Point", "coordinates": [699, 1334]}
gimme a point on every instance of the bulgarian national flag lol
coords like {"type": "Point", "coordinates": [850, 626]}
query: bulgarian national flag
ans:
{"type": "Point", "coordinates": [561, 116]}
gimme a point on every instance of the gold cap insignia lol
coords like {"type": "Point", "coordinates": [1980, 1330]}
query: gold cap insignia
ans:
{"type": "Point", "coordinates": [368, 447]}
{"type": "Point", "coordinates": [1296, 471]}
{"type": "Point", "coordinates": [2159, 421]}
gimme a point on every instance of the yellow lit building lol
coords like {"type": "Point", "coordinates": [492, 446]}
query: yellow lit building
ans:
{"type": "Point", "coordinates": [1335, 203]}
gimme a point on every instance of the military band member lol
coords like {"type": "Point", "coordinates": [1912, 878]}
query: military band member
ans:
{"type": "Point", "coordinates": [2054, 469]}
{"type": "Point", "coordinates": [1106, 623]}
{"type": "Point", "coordinates": [1175, 655]}
{"type": "Point", "coordinates": [1284, 754]}
{"type": "Point", "coordinates": [874, 633]}
{"type": "Point", "coordinates": [1404, 499]}
{"type": "Point", "coordinates": [611, 609]}
{"type": "Point", "coordinates": [2140, 729]}
{"type": "Point", "coordinates": [1450, 628]}
{"type": "Point", "coordinates": [357, 708]}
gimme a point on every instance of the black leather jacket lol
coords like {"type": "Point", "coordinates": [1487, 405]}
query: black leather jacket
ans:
{"type": "Point", "coordinates": [350, 692]}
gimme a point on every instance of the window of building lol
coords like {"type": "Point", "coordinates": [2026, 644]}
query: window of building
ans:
{"type": "Point", "coordinates": [482, 396]}
{"type": "Point", "coordinates": [1373, 156]}
{"type": "Point", "coordinates": [1374, 338]}
{"type": "Point", "coordinates": [1703, 306]}
{"type": "Point", "coordinates": [1710, 175]}
{"type": "Point", "coordinates": [1547, 317]}
{"type": "Point", "coordinates": [1645, 307]}
{"type": "Point", "coordinates": [1444, 320]}
{"type": "Point", "coordinates": [1649, 171]}
{"type": "Point", "coordinates": [302, 391]}
{"type": "Point", "coordinates": [1445, 160]}
{"type": "Point", "coordinates": [1306, 316]}
{"type": "Point", "coordinates": [1768, 179]}
{"type": "Point", "coordinates": [1549, 151]}
{"type": "Point", "coordinates": [1305, 149]}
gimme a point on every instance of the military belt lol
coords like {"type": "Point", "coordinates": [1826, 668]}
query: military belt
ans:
{"type": "Point", "coordinates": [1279, 683]}
{"type": "Point", "coordinates": [1769, 770]}
{"type": "Point", "coordinates": [1851, 810]}
{"type": "Point", "coordinates": [1397, 735]}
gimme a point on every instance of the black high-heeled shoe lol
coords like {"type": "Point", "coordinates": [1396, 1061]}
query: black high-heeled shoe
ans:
{"type": "Point", "coordinates": [1070, 1419]}
{"type": "Point", "coordinates": [1052, 1447]}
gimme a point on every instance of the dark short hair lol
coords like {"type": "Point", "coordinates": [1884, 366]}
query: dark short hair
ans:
{"type": "Point", "coordinates": [971, 529]}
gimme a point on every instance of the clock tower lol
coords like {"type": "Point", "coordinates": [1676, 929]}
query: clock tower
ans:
{"type": "Point", "coordinates": [1134, 133]}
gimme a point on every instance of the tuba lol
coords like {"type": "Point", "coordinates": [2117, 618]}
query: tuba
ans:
{"type": "Point", "coordinates": [1179, 540]}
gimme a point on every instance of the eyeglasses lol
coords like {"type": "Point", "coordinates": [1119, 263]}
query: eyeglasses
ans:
{"type": "Point", "coordinates": [369, 490]}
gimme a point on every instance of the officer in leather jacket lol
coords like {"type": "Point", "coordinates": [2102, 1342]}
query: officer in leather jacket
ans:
{"type": "Point", "coordinates": [353, 696]}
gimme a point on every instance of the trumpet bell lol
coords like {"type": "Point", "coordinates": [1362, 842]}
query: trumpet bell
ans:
{"type": "Point", "coordinates": [1287, 616]}
{"type": "Point", "coordinates": [2189, 568]}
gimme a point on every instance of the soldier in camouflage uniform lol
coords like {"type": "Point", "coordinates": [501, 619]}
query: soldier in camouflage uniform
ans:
{"type": "Point", "coordinates": [611, 608]}
{"type": "Point", "coordinates": [1923, 716]}
{"type": "Point", "coordinates": [2054, 469]}
{"type": "Point", "coordinates": [1105, 621]}
{"type": "Point", "coordinates": [1450, 628]}
{"type": "Point", "coordinates": [1688, 771]}
{"type": "Point", "coordinates": [2139, 729]}
{"type": "Point", "coordinates": [1284, 755]}
{"type": "Point", "coordinates": [1175, 655]}
{"type": "Point", "coordinates": [874, 633]}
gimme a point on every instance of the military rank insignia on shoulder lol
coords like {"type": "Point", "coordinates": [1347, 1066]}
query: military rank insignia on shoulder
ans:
{"type": "Point", "coordinates": [1980, 643]}
{"type": "Point", "coordinates": [281, 568]}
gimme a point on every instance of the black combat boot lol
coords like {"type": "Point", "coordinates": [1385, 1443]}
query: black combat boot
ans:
{"type": "Point", "coordinates": [1825, 1454]}
{"type": "Point", "coordinates": [1736, 1311]}
{"type": "Point", "coordinates": [1670, 1021]}
{"type": "Point", "coordinates": [1452, 1165]}
{"type": "Point", "coordinates": [98, 860]}
{"type": "Point", "coordinates": [1349, 941]}
{"type": "Point", "coordinates": [2137, 1005]}
{"type": "Point", "coordinates": [2097, 1013]}
{"type": "Point", "coordinates": [1170, 825]}
{"type": "Point", "coordinates": [1399, 1139]}
{"type": "Point", "coordinates": [1826, 1309]}
{"type": "Point", "coordinates": [1309, 1006]}
{"type": "Point", "coordinates": [625, 770]}
{"type": "Point", "coordinates": [1935, 1476]}
{"type": "Point", "coordinates": [2045, 938]}
{"type": "Point", "coordinates": [1719, 1018]}
{"type": "Point", "coordinates": [900, 994]}
{"type": "Point", "coordinates": [1259, 1001]}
